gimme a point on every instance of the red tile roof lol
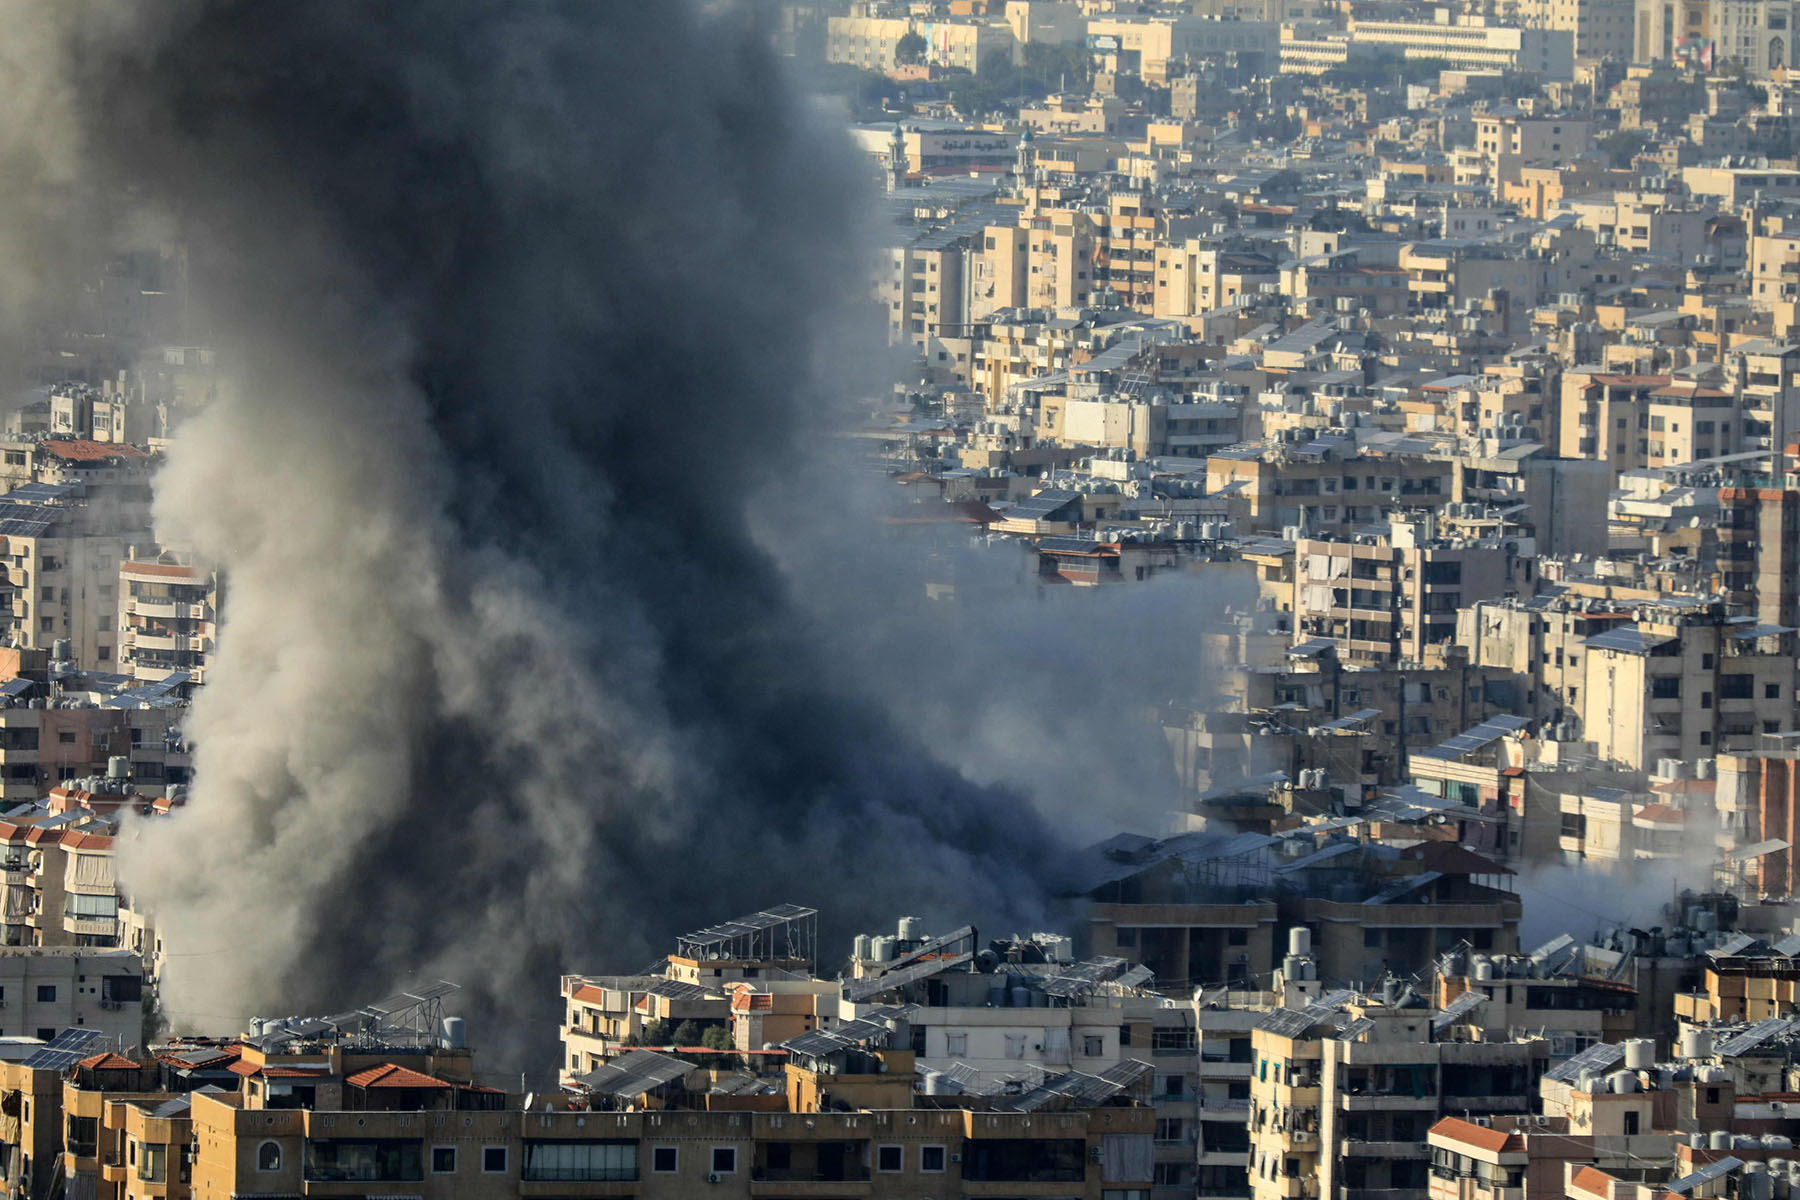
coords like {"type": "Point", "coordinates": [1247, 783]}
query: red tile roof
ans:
{"type": "Point", "coordinates": [1593, 1181]}
{"type": "Point", "coordinates": [589, 992]}
{"type": "Point", "coordinates": [88, 450]}
{"type": "Point", "coordinates": [1661, 813]}
{"type": "Point", "coordinates": [108, 1062]}
{"type": "Point", "coordinates": [390, 1075]}
{"type": "Point", "coordinates": [1479, 1136]}
{"type": "Point", "coordinates": [165, 570]}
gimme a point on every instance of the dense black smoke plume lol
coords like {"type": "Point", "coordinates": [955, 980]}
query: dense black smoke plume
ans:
{"type": "Point", "coordinates": [521, 301]}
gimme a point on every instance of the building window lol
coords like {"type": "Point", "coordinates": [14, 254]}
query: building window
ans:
{"type": "Point", "coordinates": [493, 1160]}
{"type": "Point", "coordinates": [443, 1159]}
{"type": "Point", "coordinates": [889, 1159]}
{"type": "Point", "coordinates": [1093, 1046]}
{"type": "Point", "coordinates": [268, 1156]}
{"type": "Point", "coordinates": [956, 1044]}
{"type": "Point", "coordinates": [931, 1158]}
{"type": "Point", "coordinates": [665, 1160]}
{"type": "Point", "coordinates": [46, 993]}
{"type": "Point", "coordinates": [724, 1160]}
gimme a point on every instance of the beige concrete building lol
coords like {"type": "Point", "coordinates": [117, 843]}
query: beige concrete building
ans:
{"type": "Point", "coordinates": [1343, 1095]}
{"type": "Point", "coordinates": [168, 618]}
{"type": "Point", "coordinates": [1685, 686]}
{"type": "Point", "coordinates": [1396, 597]}
{"type": "Point", "coordinates": [1601, 28]}
{"type": "Point", "coordinates": [1472, 45]}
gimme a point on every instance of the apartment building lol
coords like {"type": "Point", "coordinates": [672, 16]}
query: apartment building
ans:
{"type": "Point", "coordinates": [1395, 596]}
{"type": "Point", "coordinates": [1516, 136]}
{"type": "Point", "coordinates": [1684, 685]}
{"type": "Point", "coordinates": [769, 953]}
{"type": "Point", "coordinates": [1632, 421]}
{"type": "Point", "coordinates": [168, 618]}
{"type": "Point", "coordinates": [106, 414]}
{"type": "Point", "coordinates": [1601, 28]}
{"type": "Point", "coordinates": [1759, 553]}
{"type": "Point", "coordinates": [328, 1107]}
{"type": "Point", "coordinates": [1769, 377]}
{"type": "Point", "coordinates": [1321, 483]}
{"type": "Point", "coordinates": [1346, 1087]}
{"type": "Point", "coordinates": [45, 990]}
{"type": "Point", "coordinates": [1197, 275]}
{"type": "Point", "coordinates": [873, 43]}
{"type": "Point", "coordinates": [44, 746]}
{"type": "Point", "coordinates": [1549, 53]}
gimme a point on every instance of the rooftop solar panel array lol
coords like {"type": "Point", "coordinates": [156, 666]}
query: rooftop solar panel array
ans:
{"type": "Point", "coordinates": [1601, 1057]}
{"type": "Point", "coordinates": [1627, 638]}
{"type": "Point", "coordinates": [64, 1050]}
{"type": "Point", "coordinates": [634, 1073]}
{"type": "Point", "coordinates": [1083, 1089]}
{"type": "Point", "coordinates": [28, 520]}
{"type": "Point", "coordinates": [1706, 1174]}
{"type": "Point", "coordinates": [1484, 734]}
{"type": "Point", "coordinates": [675, 989]}
{"type": "Point", "coordinates": [1040, 506]}
{"type": "Point", "coordinates": [862, 989]}
{"type": "Point", "coordinates": [1355, 718]}
{"type": "Point", "coordinates": [1749, 1039]}
{"type": "Point", "coordinates": [1085, 977]}
{"type": "Point", "coordinates": [1458, 1008]}
{"type": "Point", "coordinates": [851, 1035]}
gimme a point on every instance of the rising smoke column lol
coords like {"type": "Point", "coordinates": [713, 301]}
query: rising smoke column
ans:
{"type": "Point", "coordinates": [521, 302]}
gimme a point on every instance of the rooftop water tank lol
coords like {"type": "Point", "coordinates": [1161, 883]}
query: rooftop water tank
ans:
{"type": "Point", "coordinates": [864, 947]}
{"type": "Point", "coordinates": [1640, 1054]}
{"type": "Point", "coordinates": [1300, 941]}
{"type": "Point", "coordinates": [912, 929]}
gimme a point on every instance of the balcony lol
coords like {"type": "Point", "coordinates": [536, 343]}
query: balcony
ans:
{"type": "Point", "coordinates": [1363, 1148]}
{"type": "Point", "coordinates": [1392, 1103]}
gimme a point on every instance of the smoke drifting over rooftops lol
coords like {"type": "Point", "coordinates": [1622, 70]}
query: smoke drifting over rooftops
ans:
{"type": "Point", "coordinates": [520, 299]}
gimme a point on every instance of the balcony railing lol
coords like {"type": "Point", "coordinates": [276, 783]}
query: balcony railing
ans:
{"type": "Point", "coordinates": [800, 1175]}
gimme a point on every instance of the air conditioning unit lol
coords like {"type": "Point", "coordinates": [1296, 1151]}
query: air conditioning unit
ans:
{"type": "Point", "coordinates": [715, 1178]}
{"type": "Point", "coordinates": [1094, 1154]}
{"type": "Point", "coordinates": [956, 1158]}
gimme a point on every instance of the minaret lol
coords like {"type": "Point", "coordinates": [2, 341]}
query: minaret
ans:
{"type": "Point", "coordinates": [1022, 162]}
{"type": "Point", "coordinates": [896, 170]}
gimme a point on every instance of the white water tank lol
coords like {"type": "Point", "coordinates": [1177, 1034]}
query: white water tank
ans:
{"type": "Point", "coordinates": [1484, 969]}
{"type": "Point", "coordinates": [1622, 1082]}
{"type": "Point", "coordinates": [912, 929]}
{"type": "Point", "coordinates": [864, 947]}
{"type": "Point", "coordinates": [882, 949]}
{"type": "Point", "coordinates": [1721, 1139]}
{"type": "Point", "coordinates": [1640, 1054]}
{"type": "Point", "coordinates": [1300, 941]}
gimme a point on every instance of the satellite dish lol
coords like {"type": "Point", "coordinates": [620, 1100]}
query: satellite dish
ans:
{"type": "Point", "coordinates": [530, 1099]}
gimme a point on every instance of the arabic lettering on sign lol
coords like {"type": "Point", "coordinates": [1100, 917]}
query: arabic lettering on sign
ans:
{"type": "Point", "coordinates": [988, 146]}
